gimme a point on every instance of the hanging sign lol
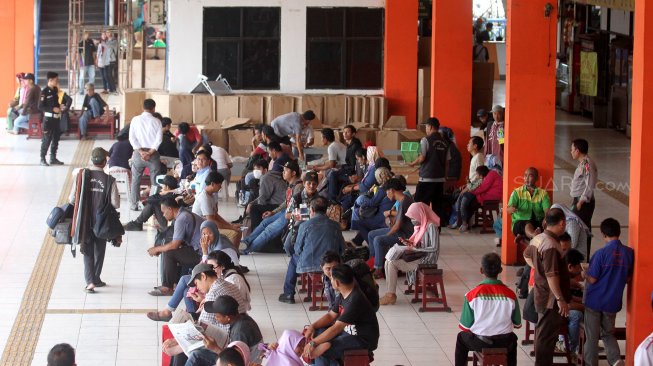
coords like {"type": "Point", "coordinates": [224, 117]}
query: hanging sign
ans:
{"type": "Point", "coordinates": [589, 75]}
{"type": "Point", "coordinates": [628, 5]}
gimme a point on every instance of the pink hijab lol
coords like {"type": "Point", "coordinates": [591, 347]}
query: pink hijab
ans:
{"type": "Point", "coordinates": [422, 213]}
{"type": "Point", "coordinates": [285, 354]}
{"type": "Point", "coordinates": [242, 348]}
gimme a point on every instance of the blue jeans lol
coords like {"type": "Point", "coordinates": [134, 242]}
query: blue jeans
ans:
{"type": "Point", "coordinates": [336, 179]}
{"type": "Point", "coordinates": [267, 230]}
{"type": "Point", "coordinates": [464, 206]}
{"type": "Point", "coordinates": [202, 357]}
{"type": "Point", "coordinates": [83, 71]}
{"type": "Point", "coordinates": [380, 243]}
{"type": "Point", "coordinates": [290, 281]}
{"type": "Point", "coordinates": [180, 294]}
{"type": "Point", "coordinates": [341, 343]}
{"type": "Point", "coordinates": [575, 317]}
{"type": "Point", "coordinates": [94, 111]}
{"type": "Point", "coordinates": [21, 122]}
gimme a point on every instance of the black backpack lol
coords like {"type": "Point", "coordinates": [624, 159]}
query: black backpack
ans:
{"type": "Point", "coordinates": [365, 281]}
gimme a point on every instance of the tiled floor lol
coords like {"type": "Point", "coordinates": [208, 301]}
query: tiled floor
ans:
{"type": "Point", "coordinates": [110, 327]}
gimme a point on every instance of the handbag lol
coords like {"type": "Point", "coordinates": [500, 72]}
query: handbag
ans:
{"type": "Point", "coordinates": [412, 255]}
{"type": "Point", "coordinates": [61, 232]}
{"type": "Point", "coordinates": [107, 224]}
{"type": "Point", "coordinates": [58, 214]}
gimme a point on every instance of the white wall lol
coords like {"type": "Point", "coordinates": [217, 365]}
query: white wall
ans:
{"type": "Point", "coordinates": [620, 21]}
{"type": "Point", "coordinates": [184, 37]}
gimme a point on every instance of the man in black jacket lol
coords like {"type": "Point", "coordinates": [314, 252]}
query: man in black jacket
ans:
{"type": "Point", "coordinates": [93, 107]}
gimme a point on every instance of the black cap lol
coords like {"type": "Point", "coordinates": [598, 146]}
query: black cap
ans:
{"type": "Point", "coordinates": [29, 76]}
{"type": "Point", "coordinates": [99, 155]}
{"type": "Point", "coordinates": [197, 270]}
{"type": "Point", "coordinates": [225, 305]}
{"type": "Point", "coordinates": [52, 75]}
{"type": "Point", "coordinates": [294, 166]}
{"type": "Point", "coordinates": [433, 122]}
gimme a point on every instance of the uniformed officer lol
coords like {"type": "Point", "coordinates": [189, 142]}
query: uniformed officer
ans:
{"type": "Point", "coordinates": [583, 184]}
{"type": "Point", "coordinates": [50, 107]}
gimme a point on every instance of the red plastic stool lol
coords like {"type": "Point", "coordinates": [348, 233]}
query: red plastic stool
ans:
{"type": "Point", "coordinates": [357, 357]}
{"type": "Point", "coordinates": [491, 357]}
{"type": "Point", "coordinates": [315, 291]}
{"type": "Point", "coordinates": [428, 278]}
{"type": "Point", "coordinates": [34, 126]}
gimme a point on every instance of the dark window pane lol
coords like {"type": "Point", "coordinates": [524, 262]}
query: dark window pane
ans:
{"type": "Point", "coordinates": [260, 64]}
{"type": "Point", "coordinates": [364, 64]}
{"type": "Point", "coordinates": [221, 22]}
{"type": "Point", "coordinates": [261, 22]}
{"type": "Point", "coordinates": [363, 22]}
{"type": "Point", "coordinates": [322, 22]}
{"type": "Point", "coordinates": [221, 57]}
{"type": "Point", "coordinates": [324, 65]}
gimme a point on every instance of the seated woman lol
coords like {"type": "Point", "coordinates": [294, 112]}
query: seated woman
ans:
{"type": "Point", "coordinates": [368, 212]}
{"type": "Point", "coordinates": [425, 236]}
{"type": "Point", "coordinates": [288, 351]}
{"type": "Point", "coordinates": [225, 267]}
{"type": "Point", "coordinates": [491, 188]}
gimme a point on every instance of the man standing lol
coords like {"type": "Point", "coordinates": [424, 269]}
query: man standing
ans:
{"type": "Point", "coordinates": [112, 44]}
{"type": "Point", "coordinates": [490, 312]}
{"type": "Point", "coordinates": [315, 237]}
{"type": "Point", "coordinates": [610, 269]}
{"type": "Point", "coordinates": [102, 187]}
{"type": "Point", "coordinates": [49, 105]}
{"type": "Point", "coordinates": [145, 136]}
{"type": "Point", "coordinates": [87, 61]}
{"type": "Point", "coordinates": [433, 160]}
{"type": "Point", "coordinates": [93, 107]}
{"type": "Point", "coordinates": [291, 125]}
{"type": "Point", "coordinates": [495, 136]}
{"type": "Point", "coordinates": [104, 64]}
{"type": "Point", "coordinates": [583, 184]}
{"type": "Point", "coordinates": [29, 104]}
{"type": "Point", "coordinates": [552, 285]}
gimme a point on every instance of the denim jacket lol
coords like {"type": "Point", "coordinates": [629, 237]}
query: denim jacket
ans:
{"type": "Point", "coordinates": [314, 238]}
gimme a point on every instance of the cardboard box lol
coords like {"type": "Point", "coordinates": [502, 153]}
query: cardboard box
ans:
{"type": "Point", "coordinates": [203, 109]}
{"type": "Point", "coordinates": [179, 107]}
{"type": "Point", "coordinates": [335, 111]}
{"type": "Point", "coordinates": [240, 142]}
{"type": "Point", "coordinates": [395, 123]}
{"type": "Point", "coordinates": [366, 134]}
{"type": "Point", "coordinates": [423, 82]}
{"type": "Point", "coordinates": [277, 105]}
{"type": "Point", "coordinates": [233, 122]}
{"type": "Point", "coordinates": [155, 71]}
{"type": "Point", "coordinates": [424, 51]}
{"type": "Point", "coordinates": [482, 75]}
{"type": "Point", "coordinates": [355, 104]}
{"type": "Point", "coordinates": [411, 174]}
{"type": "Point", "coordinates": [132, 105]}
{"type": "Point", "coordinates": [216, 134]}
{"type": "Point", "coordinates": [391, 140]}
{"type": "Point", "coordinates": [226, 106]}
{"type": "Point", "coordinates": [378, 111]}
{"type": "Point", "coordinates": [365, 110]}
{"type": "Point", "coordinates": [251, 106]}
{"type": "Point", "coordinates": [314, 103]}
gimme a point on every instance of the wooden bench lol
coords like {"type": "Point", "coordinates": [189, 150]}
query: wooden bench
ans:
{"type": "Point", "coordinates": [490, 357]}
{"type": "Point", "coordinates": [106, 124]}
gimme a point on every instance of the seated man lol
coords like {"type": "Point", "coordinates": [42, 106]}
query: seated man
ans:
{"type": "Point", "coordinates": [315, 237]}
{"type": "Point", "coordinates": [152, 206]}
{"type": "Point", "coordinates": [29, 106]}
{"type": "Point", "coordinates": [336, 152]}
{"type": "Point", "coordinates": [206, 206]}
{"type": "Point", "coordinates": [528, 205]}
{"type": "Point", "coordinates": [490, 312]}
{"type": "Point", "coordinates": [271, 193]}
{"type": "Point", "coordinates": [168, 148]}
{"type": "Point", "coordinates": [329, 260]}
{"type": "Point", "coordinates": [61, 354]}
{"type": "Point", "coordinates": [121, 151]}
{"type": "Point", "coordinates": [352, 324]}
{"type": "Point", "coordinates": [347, 170]}
{"type": "Point", "coordinates": [93, 107]}
{"type": "Point", "coordinates": [275, 221]}
{"type": "Point", "coordinates": [183, 251]}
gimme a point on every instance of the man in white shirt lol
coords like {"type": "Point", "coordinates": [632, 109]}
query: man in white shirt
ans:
{"type": "Point", "coordinates": [336, 151]}
{"type": "Point", "coordinates": [145, 136]}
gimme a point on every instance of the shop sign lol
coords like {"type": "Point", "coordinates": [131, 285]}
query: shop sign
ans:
{"type": "Point", "coordinates": [628, 5]}
{"type": "Point", "coordinates": [589, 75]}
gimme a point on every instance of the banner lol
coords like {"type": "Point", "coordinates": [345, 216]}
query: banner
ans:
{"type": "Point", "coordinates": [628, 5]}
{"type": "Point", "coordinates": [588, 73]}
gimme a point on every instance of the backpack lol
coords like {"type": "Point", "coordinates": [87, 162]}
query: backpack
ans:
{"type": "Point", "coordinates": [365, 281]}
{"type": "Point", "coordinates": [58, 214]}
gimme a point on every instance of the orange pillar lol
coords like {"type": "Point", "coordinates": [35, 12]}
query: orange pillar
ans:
{"type": "Point", "coordinates": [451, 69]}
{"type": "Point", "coordinates": [17, 42]}
{"type": "Point", "coordinates": [530, 102]}
{"type": "Point", "coordinates": [639, 319]}
{"type": "Point", "coordinates": [400, 59]}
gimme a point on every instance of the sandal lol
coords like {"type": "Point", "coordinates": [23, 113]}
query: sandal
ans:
{"type": "Point", "coordinates": [89, 290]}
{"type": "Point", "coordinates": [154, 315]}
{"type": "Point", "coordinates": [160, 292]}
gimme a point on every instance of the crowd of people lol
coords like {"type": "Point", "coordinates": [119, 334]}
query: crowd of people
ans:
{"type": "Point", "coordinates": [302, 207]}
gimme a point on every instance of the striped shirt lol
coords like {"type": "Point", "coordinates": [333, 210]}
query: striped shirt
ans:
{"type": "Point", "coordinates": [221, 287]}
{"type": "Point", "coordinates": [490, 309]}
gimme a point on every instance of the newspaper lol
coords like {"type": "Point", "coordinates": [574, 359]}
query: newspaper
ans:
{"type": "Point", "coordinates": [191, 337]}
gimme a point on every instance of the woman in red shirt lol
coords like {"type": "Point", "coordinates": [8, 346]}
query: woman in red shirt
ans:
{"type": "Point", "coordinates": [490, 189]}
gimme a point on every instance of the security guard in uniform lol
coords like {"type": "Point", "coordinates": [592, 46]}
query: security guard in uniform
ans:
{"type": "Point", "coordinates": [50, 107]}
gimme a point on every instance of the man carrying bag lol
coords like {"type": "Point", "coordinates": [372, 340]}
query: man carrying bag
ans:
{"type": "Point", "coordinates": [99, 198]}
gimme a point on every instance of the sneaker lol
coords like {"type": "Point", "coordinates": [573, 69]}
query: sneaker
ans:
{"type": "Point", "coordinates": [464, 228]}
{"type": "Point", "coordinates": [287, 299]}
{"type": "Point", "coordinates": [133, 226]}
{"type": "Point", "coordinates": [43, 162]}
{"type": "Point", "coordinates": [55, 161]}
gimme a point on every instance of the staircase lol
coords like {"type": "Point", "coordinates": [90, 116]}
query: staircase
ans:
{"type": "Point", "coordinates": [53, 37]}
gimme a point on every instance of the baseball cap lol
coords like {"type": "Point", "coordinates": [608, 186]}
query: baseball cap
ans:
{"type": "Point", "coordinates": [200, 268]}
{"type": "Point", "coordinates": [225, 305]}
{"type": "Point", "coordinates": [481, 112]}
{"type": "Point", "coordinates": [99, 155]}
{"type": "Point", "coordinates": [433, 122]}
{"type": "Point", "coordinates": [293, 165]}
{"type": "Point", "coordinates": [168, 180]}
{"type": "Point", "coordinates": [311, 176]}
{"type": "Point", "coordinates": [497, 108]}
{"type": "Point", "coordinates": [29, 76]}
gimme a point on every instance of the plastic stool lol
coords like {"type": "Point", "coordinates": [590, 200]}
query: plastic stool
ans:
{"type": "Point", "coordinates": [428, 278]}
{"type": "Point", "coordinates": [491, 357]}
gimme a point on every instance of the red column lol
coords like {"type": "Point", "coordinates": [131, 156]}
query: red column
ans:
{"type": "Point", "coordinates": [451, 68]}
{"type": "Point", "coordinates": [530, 101]}
{"type": "Point", "coordinates": [400, 59]}
{"type": "Point", "coordinates": [17, 42]}
{"type": "Point", "coordinates": [639, 319]}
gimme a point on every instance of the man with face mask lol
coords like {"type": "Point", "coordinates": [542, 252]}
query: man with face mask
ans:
{"type": "Point", "coordinates": [528, 205]}
{"type": "Point", "coordinates": [271, 192]}
{"type": "Point", "coordinates": [315, 237]}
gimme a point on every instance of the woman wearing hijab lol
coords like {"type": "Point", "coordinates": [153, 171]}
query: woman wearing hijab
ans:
{"type": "Point", "coordinates": [288, 351]}
{"type": "Point", "coordinates": [236, 354]}
{"type": "Point", "coordinates": [425, 236]}
{"type": "Point", "coordinates": [212, 240]}
{"type": "Point", "coordinates": [577, 229]}
{"type": "Point", "coordinates": [367, 214]}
